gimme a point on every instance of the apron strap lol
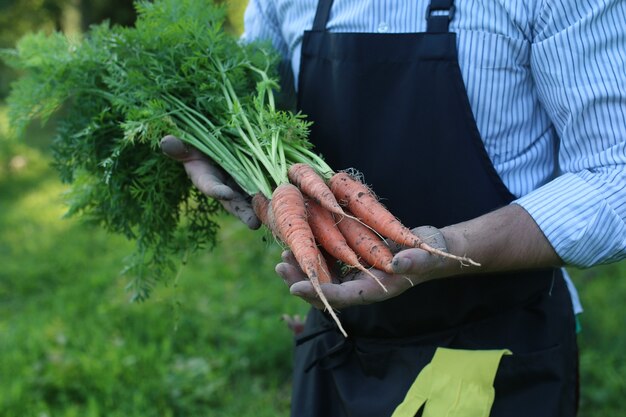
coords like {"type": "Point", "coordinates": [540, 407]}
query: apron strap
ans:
{"type": "Point", "coordinates": [321, 15]}
{"type": "Point", "coordinates": [455, 383]}
{"type": "Point", "coordinates": [439, 13]}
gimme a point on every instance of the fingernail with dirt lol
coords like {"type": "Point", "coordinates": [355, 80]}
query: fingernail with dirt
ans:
{"type": "Point", "coordinates": [174, 147]}
{"type": "Point", "coordinates": [401, 265]}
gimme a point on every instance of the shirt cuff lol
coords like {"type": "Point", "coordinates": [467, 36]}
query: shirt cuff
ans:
{"type": "Point", "coordinates": [577, 221]}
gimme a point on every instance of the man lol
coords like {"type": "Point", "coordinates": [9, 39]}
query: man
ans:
{"type": "Point", "coordinates": [499, 124]}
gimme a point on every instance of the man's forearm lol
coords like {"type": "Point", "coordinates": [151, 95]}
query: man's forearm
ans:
{"type": "Point", "coordinates": [503, 240]}
{"type": "Point", "coordinates": [506, 239]}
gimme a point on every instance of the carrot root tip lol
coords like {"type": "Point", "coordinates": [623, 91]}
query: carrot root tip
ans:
{"type": "Point", "coordinates": [465, 261]}
{"type": "Point", "coordinates": [378, 281]}
{"type": "Point", "coordinates": [408, 279]}
{"type": "Point", "coordinates": [318, 289]}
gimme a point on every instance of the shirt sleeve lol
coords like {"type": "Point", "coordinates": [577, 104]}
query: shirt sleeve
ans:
{"type": "Point", "coordinates": [578, 60]}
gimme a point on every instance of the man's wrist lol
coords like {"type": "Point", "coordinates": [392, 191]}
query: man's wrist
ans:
{"type": "Point", "coordinates": [503, 240]}
{"type": "Point", "coordinates": [457, 243]}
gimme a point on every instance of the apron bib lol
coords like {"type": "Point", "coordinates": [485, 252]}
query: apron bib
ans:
{"type": "Point", "coordinates": [394, 107]}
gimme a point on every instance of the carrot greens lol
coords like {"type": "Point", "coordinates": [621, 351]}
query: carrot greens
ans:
{"type": "Point", "coordinates": [118, 91]}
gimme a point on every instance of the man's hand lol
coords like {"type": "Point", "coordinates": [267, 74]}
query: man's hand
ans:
{"type": "Point", "coordinates": [211, 180]}
{"type": "Point", "coordinates": [413, 266]}
{"type": "Point", "coordinates": [507, 239]}
{"type": "Point", "coordinates": [294, 323]}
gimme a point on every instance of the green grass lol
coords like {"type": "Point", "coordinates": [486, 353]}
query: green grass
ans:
{"type": "Point", "coordinates": [602, 341]}
{"type": "Point", "coordinates": [209, 344]}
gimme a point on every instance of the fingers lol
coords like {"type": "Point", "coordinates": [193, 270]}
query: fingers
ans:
{"type": "Point", "coordinates": [241, 208]}
{"type": "Point", "coordinates": [180, 151]}
{"type": "Point", "coordinates": [174, 148]}
{"type": "Point", "coordinates": [411, 267]}
{"type": "Point", "coordinates": [210, 180]}
{"type": "Point", "coordinates": [294, 323]}
{"type": "Point", "coordinates": [205, 176]}
{"type": "Point", "coordinates": [417, 262]}
{"type": "Point", "coordinates": [290, 273]}
{"type": "Point", "coordinates": [358, 290]}
{"type": "Point", "coordinates": [295, 279]}
{"type": "Point", "coordinates": [288, 257]}
{"type": "Point", "coordinates": [431, 236]}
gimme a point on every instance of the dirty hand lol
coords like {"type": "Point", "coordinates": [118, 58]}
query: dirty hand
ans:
{"type": "Point", "coordinates": [412, 266]}
{"type": "Point", "coordinates": [211, 180]}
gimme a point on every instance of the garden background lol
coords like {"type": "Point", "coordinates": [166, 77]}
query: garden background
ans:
{"type": "Point", "coordinates": [211, 343]}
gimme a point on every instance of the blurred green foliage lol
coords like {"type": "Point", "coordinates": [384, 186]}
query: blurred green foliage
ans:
{"type": "Point", "coordinates": [18, 17]}
{"type": "Point", "coordinates": [602, 341]}
{"type": "Point", "coordinates": [211, 343]}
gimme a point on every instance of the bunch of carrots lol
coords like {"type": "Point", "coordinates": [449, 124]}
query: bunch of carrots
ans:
{"type": "Point", "coordinates": [177, 72]}
{"type": "Point", "coordinates": [343, 217]}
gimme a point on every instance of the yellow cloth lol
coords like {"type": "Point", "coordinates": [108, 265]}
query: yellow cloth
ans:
{"type": "Point", "coordinates": [456, 383]}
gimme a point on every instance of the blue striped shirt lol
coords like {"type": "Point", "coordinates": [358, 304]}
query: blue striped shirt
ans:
{"type": "Point", "coordinates": [546, 81]}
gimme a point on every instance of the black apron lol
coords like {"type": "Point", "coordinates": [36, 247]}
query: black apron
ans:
{"type": "Point", "coordinates": [394, 106]}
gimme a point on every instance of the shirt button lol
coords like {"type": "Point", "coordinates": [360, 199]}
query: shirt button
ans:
{"type": "Point", "coordinates": [383, 27]}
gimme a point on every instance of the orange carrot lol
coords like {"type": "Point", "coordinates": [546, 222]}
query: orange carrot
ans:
{"type": "Point", "coordinates": [365, 206]}
{"type": "Point", "coordinates": [366, 244]}
{"type": "Point", "coordinates": [332, 240]}
{"type": "Point", "coordinates": [310, 183]}
{"type": "Point", "coordinates": [261, 207]}
{"type": "Point", "coordinates": [291, 224]}
{"type": "Point", "coordinates": [314, 186]}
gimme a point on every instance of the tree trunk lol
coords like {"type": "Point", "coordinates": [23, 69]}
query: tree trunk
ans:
{"type": "Point", "coordinates": [71, 23]}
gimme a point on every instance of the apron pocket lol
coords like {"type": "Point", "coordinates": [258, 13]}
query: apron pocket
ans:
{"type": "Point", "coordinates": [533, 384]}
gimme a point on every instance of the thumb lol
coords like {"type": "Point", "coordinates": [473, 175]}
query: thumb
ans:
{"type": "Point", "coordinates": [204, 175]}
{"type": "Point", "coordinates": [175, 148]}
{"type": "Point", "coordinates": [415, 262]}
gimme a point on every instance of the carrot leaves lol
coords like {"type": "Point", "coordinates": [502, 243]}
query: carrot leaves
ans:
{"type": "Point", "coordinates": [117, 91]}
